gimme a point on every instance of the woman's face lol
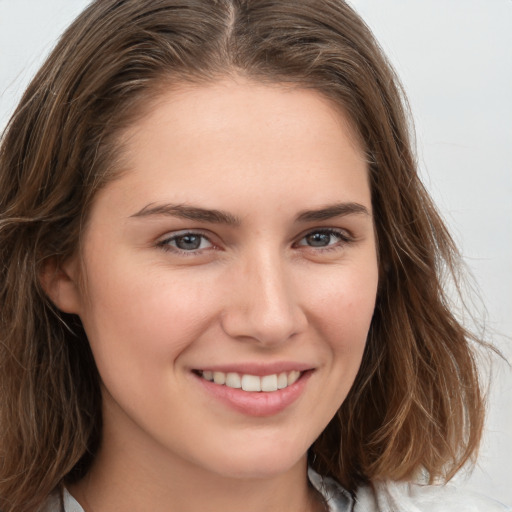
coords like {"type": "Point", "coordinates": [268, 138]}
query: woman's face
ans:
{"type": "Point", "coordinates": [238, 246]}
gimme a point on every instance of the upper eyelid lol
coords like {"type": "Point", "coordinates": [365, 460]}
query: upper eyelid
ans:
{"type": "Point", "coordinates": [163, 242]}
{"type": "Point", "coordinates": [183, 232]}
{"type": "Point", "coordinates": [326, 229]}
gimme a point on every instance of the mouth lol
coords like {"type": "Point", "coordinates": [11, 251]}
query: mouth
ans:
{"type": "Point", "coordinates": [253, 390]}
{"type": "Point", "coordinates": [252, 383]}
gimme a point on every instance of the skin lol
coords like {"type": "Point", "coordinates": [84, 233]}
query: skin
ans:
{"type": "Point", "coordinates": [268, 288]}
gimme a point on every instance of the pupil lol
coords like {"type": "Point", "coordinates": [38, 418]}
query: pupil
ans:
{"type": "Point", "coordinates": [188, 242]}
{"type": "Point", "coordinates": [318, 239]}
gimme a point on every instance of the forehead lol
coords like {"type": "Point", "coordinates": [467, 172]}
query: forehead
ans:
{"type": "Point", "coordinates": [250, 100]}
{"type": "Point", "coordinates": [232, 135]}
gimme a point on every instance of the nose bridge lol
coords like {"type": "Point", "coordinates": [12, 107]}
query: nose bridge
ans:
{"type": "Point", "coordinates": [264, 306]}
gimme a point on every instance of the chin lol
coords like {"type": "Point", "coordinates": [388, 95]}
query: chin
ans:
{"type": "Point", "coordinates": [259, 465]}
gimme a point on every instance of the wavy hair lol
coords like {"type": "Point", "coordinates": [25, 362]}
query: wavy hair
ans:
{"type": "Point", "coordinates": [416, 405]}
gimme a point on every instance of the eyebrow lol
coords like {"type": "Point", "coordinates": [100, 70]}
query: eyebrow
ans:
{"type": "Point", "coordinates": [222, 217]}
{"type": "Point", "coordinates": [332, 211]}
{"type": "Point", "coordinates": [189, 212]}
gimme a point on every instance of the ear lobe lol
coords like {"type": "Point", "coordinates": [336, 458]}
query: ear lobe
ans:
{"type": "Point", "coordinates": [60, 283]}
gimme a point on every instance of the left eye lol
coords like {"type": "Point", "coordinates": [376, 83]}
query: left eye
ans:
{"type": "Point", "coordinates": [187, 242]}
{"type": "Point", "coordinates": [322, 238]}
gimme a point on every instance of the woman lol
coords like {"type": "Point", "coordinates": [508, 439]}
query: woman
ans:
{"type": "Point", "coordinates": [222, 269]}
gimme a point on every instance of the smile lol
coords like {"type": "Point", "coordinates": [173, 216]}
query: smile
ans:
{"type": "Point", "coordinates": [253, 390]}
{"type": "Point", "coordinates": [252, 383]}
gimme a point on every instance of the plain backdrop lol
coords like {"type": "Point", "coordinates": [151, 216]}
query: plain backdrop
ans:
{"type": "Point", "coordinates": [455, 60]}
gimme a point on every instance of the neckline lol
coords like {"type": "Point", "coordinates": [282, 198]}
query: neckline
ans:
{"type": "Point", "coordinates": [336, 497]}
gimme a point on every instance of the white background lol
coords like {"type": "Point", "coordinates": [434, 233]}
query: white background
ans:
{"type": "Point", "coordinates": [455, 60]}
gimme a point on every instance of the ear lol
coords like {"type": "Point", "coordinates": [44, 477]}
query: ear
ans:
{"type": "Point", "coordinates": [60, 283]}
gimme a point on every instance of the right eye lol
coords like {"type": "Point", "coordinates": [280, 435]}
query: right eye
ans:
{"type": "Point", "coordinates": [186, 242]}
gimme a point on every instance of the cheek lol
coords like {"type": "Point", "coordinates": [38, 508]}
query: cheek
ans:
{"type": "Point", "coordinates": [341, 311]}
{"type": "Point", "coordinates": [139, 320]}
{"type": "Point", "coordinates": [344, 303]}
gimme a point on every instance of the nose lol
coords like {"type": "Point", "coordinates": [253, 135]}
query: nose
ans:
{"type": "Point", "coordinates": [263, 305]}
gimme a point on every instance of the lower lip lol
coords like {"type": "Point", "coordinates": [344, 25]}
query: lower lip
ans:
{"type": "Point", "coordinates": [260, 403]}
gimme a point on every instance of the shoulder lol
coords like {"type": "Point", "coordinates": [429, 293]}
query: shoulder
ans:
{"type": "Point", "coordinates": [402, 497]}
{"type": "Point", "coordinates": [408, 497]}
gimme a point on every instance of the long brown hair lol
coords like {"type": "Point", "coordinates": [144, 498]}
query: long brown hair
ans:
{"type": "Point", "coordinates": [416, 405]}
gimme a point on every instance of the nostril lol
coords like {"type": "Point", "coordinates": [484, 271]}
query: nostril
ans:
{"type": "Point", "coordinates": [268, 328]}
{"type": "Point", "coordinates": [263, 306]}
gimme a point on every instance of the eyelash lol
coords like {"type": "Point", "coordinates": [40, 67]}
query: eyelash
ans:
{"type": "Point", "coordinates": [341, 235]}
{"type": "Point", "coordinates": [165, 244]}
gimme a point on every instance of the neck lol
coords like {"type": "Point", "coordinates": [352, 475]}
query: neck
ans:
{"type": "Point", "coordinates": [181, 491]}
{"type": "Point", "coordinates": [142, 478]}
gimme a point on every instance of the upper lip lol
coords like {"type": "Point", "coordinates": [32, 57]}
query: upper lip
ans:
{"type": "Point", "coordinates": [258, 369]}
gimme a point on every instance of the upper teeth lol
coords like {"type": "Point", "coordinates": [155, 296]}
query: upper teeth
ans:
{"type": "Point", "coordinates": [253, 382]}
